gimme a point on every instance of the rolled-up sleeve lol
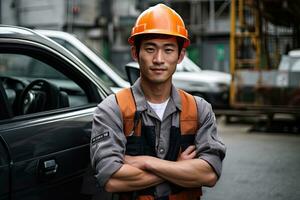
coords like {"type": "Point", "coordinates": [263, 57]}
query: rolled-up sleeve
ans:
{"type": "Point", "coordinates": [209, 145]}
{"type": "Point", "coordinates": [108, 142]}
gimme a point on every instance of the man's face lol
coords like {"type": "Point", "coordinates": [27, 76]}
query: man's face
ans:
{"type": "Point", "coordinates": [158, 58]}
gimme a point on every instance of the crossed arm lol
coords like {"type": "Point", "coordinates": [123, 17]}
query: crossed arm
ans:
{"type": "Point", "coordinates": [139, 172]}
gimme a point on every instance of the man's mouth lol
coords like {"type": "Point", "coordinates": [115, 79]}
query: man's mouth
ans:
{"type": "Point", "coordinates": [158, 69]}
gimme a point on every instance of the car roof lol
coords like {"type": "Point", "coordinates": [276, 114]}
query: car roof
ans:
{"type": "Point", "coordinates": [15, 32]}
{"type": "Point", "coordinates": [294, 53]}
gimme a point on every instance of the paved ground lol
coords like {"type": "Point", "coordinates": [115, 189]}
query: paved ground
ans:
{"type": "Point", "coordinates": [258, 166]}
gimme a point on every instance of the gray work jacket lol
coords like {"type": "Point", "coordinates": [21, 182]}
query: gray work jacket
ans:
{"type": "Point", "coordinates": [108, 141]}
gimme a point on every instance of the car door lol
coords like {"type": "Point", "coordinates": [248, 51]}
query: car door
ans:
{"type": "Point", "coordinates": [4, 171]}
{"type": "Point", "coordinates": [45, 152]}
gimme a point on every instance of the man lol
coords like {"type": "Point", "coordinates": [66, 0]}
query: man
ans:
{"type": "Point", "coordinates": [152, 140]}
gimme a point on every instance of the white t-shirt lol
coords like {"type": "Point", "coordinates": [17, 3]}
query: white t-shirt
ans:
{"type": "Point", "coordinates": [159, 108]}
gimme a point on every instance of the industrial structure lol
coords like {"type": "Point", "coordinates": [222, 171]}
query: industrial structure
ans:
{"type": "Point", "coordinates": [262, 32]}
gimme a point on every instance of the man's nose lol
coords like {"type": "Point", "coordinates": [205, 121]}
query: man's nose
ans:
{"type": "Point", "coordinates": [158, 57]}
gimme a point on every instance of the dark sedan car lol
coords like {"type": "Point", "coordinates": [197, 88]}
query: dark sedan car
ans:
{"type": "Point", "coordinates": [47, 98]}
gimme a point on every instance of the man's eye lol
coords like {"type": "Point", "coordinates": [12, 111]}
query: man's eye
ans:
{"type": "Point", "coordinates": [150, 50]}
{"type": "Point", "coordinates": [169, 50]}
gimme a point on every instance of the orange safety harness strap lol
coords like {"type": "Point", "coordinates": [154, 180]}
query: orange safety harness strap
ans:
{"type": "Point", "coordinates": [188, 115]}
{"type": "Point", "coordinates": [128, 110]}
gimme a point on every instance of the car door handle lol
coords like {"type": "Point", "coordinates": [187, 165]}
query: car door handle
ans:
{"type": "Point", "coordinates": [49, 167]}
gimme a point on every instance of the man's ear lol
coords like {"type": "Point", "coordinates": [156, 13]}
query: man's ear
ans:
{"type": "Point", "coordinates": [181, 55]}
{"type": "Point", "coordinates": [134, 53]}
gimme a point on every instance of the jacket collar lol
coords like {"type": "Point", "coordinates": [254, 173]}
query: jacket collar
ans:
{"type": "Point", "coordinates": [141, 102]}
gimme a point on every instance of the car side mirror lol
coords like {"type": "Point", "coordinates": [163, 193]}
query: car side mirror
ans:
{"type": "Point", "coordinates": [132, 73]}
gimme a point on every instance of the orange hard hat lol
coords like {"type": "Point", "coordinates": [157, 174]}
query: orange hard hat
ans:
{"type": "Point", "coordinates": [159, 19]}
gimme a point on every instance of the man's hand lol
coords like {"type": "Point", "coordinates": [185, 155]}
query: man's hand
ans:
{"type": "Point", "coordinates": [186, 171]}
{"type": "Point", "coordinates": [188, 154]}
{"type": "Point", "coordinates": [136, 161]}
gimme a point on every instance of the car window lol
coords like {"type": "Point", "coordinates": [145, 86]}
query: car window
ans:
{"type": "Point", "coordinates": [296, 65]}
{"type": "Point", "coordinates": [22, 65]}
{"type": "Point", "coordinates": [33, 86]}
{"type": "Point", "coordinates": [284, 63]}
